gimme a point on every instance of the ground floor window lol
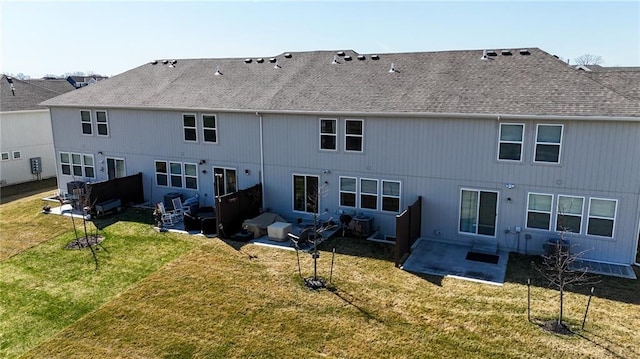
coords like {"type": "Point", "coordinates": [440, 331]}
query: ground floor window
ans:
{"type": "Point", "coordinates": [478, 212]}
{"type": "Point", "coordinates": [176, 174]}
{"type": "Point", "coordinates": [602, 216]}
{"type": "Point", "coordinates": [348, 192]}
{"type": "Point", "coordinates": [569, 214]}
{"type": "Point", "coordinates": [77, 164]}
{"type": "Point", "coordinates": [539, 207]}
{"type": "Point", "coordinates": [305, 193]}
{"type": "Point", "coordinates": [391, 196]}
{"type": "Point", "coordinates": [115, 168]}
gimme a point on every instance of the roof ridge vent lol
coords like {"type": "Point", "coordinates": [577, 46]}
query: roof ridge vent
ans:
{"type": "Point", "coordinates": [273, 60]}
{"type": "Point", "coordinates": [375, 57]}
{"type": "Point", "coordinates": [335, 60]}
{"type": "Point", "coordinates": [247, 61]}
{"type": "Point", "coordinates": [218, 73]}
{"type": "Point", "coordinates": [287, 55]}
{"type": "Point", "coordinates": [340, 53]}
{"type": "Point", "coordinates": [164, 62]}
{"type": "Point", "coordinates": [347, 58]}
{"type": "Point", "coordinates": [154, 62]}
{"type": "Point", "coordinates": [506, 53]}
{"type": "Point", "coordinates": [492, 53]}
{"type": "Point", "coordinates": [361, 57]}
{"type": "Point", "coordinates": [260, 60]}
{"type": "Point", "coordinates": [524, 52]}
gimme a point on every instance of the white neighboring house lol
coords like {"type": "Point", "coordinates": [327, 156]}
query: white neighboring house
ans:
{"type": "Point", "coordinates": [25, 129]}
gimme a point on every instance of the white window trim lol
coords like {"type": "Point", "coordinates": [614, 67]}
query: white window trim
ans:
{"type": "Point", "coordinates": [215, 129]}
{"type": "Point", "coordinates": [115, 159]}
{"type": "Point", "coordinates": [71, 164]}
{"type": "Point", "coordinates": [551, 212]}
{"type": "Point", "coordinates": [558, 213]}
{"type": "Point", "coordinates": [495, 221]}
{"type": "Point", "coordinates": [194, 128]}
{"type": "Point", "coordinates": [334, 135]}
{"type": "Point", "coordinates": [377, 194]}
{"type": "Point", "coordinates": [13, 155]}
{"type": "Point", "coordinates": [500, 141]}
{"type": "Point", "coordinates": [535, 148]}
{"type": "Point", "coordinates": [355, 193]}
{"type": "Point", "coordinates": [5, 154]}
{"type": "Point", "coordinates": [353, 135]}
{"type": "Point", "coordinates": [383, 196]}
{"type": "Point", "coordinates": [106, 123]}
{"type": "Point", "coordinates": [293, 194]}
{"type": "Point", "coordinates": [83, 122]}
{"type": "Point", "coordinates": [615, 218]}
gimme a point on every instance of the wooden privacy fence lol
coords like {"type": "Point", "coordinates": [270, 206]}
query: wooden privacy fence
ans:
{"type": "Point", "coordinates": [234, 208]}
{"type": "Point", "coordinates": [127, 189]}
{"type": "Point", "coordinates": [408, 229]}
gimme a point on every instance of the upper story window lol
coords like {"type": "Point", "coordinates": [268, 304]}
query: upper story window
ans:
{"type": "Point", "coordinates": [348, 192]}
{"type": "Point", "coordinates": [328, 134]}
{"type": "Point", "coordinates": [539, 207]}
{"type": "Point", "coordinates": [353, 135]}
{"type": "Point", "coordinates": [305, 193]}
{"type": "Point", "coordinates": [602, 216]}
{"type": "Point", "coordinates": [87, 123]}
{"type": "Point", "coordinates": [548, 143]}
{"type": "Point", "coordinates": [569, 214]}
{"type": "Point", "coordinates": [102, 123]}
{"type": "Point", "coordinates": [189, 127]}
{"type": "Point", "coordinates": [511, 137]}
{"type": "Point", "coordinates": [209, 129]}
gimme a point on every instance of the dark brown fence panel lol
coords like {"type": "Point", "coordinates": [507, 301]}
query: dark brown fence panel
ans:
{"type": "Point", "coordinates": [235, 207]}
{"type": "Point", "coordinates": [128, 189]}
{"type": "Point", "coordinates": [408, 230]}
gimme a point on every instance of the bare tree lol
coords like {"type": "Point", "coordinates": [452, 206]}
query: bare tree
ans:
{"type": "Point", "coordinates": [589, 59]}
{"type": "Point", "coordinates": [560, 266]}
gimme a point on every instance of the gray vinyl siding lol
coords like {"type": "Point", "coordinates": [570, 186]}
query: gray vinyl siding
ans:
{"type": "Point", "coordinates": [430, 157]}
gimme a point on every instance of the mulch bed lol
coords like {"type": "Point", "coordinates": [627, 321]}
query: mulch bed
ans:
{"type": "Point", "coordinates": [83, 242]}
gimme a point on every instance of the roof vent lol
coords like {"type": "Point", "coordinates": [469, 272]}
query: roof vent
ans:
{"type": "Point", "coordinates": [347, 58]}
{"type": "Point", "coordinates": [335, 60]}
{"type": "Point", "coordinates": [276, 66]}
{"type": "Point", "coordinates": [287, 55]}
{"type": "Point", "coordinates": [218, 73]}
{"type": "Point", "coordinates": [506, 53]}
{"type": "Point", "coordinates": [492, 53]}
{"type": "Point", "coordinates": [164, 62]}
{"type": "Point", "coordinates": [361, 57]}
{"type": "Point", "coordinates": [340, 53]}
{"type": "Point", "coordinates": [154, 62]}
{"type": "Point", "coordinates": [375, 57]}
{"type": "Point", "coordinates": [524, 52]}
{"type": "Point", "coordinates": [260, 60]}
{"type": "Point", "coordinates": [173, 63]}
{"type": "Point", "coordinates": [10, 79]}
{"type": "Point", "coordinates": [247, 61]}
{"type": "Point", "coordinates": [13, 89]}
{"type": "Point", "coordinates": [273, 60]}
{"type": "Point", "coordinates": [484, 55]}
{"type": "Point", "coordinates": [393, 68]}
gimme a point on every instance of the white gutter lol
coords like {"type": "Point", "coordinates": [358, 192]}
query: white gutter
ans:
{"type": "Point", "coordinates": [24, 111]}
{"type": "Point", "coordinates": [261, 159]}
{"type": "Point", "coordinates": [442, 115]}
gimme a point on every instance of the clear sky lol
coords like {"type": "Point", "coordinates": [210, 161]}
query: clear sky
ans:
{"type": "Point", "coordinates": [108, 38]}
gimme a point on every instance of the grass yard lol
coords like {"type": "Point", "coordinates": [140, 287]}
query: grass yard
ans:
{"type": "Point", "coordinates": [163, 295]}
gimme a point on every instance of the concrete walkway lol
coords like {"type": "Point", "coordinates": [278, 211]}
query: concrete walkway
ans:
{"type": "Point", "coordinates": [448, 259]}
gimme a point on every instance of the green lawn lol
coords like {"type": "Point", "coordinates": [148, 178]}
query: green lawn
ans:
{"type": "Point", "coordinates": [163, 295]}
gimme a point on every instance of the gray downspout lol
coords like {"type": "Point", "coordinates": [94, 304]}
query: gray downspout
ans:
{"type": "Point", "coordinates": [262, 161]}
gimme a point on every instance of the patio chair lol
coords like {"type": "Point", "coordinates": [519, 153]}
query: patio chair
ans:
{"type": "Point", "coordinates": [167, 217]}
{"type": "Point", "coordinates": [178, 208]}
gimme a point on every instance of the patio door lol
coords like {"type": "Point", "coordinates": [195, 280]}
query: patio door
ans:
{"type": "Point", "coordinates": [225, 180]}
{"type": "Point", "coordinates": [478, 212]}
{"type": "Point", "coordinates": [115, 168]}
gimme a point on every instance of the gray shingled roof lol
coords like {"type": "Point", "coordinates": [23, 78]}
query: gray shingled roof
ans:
{"type": "Point", "coordinates": [29, 93]}
{"type": "Point", "coordinates": [428, 82]}
{"type": "Point", "coordinates": [624, 80]}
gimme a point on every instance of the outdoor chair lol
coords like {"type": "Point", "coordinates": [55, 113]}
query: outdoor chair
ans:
{"type": "Point", "coordinates": [178, 209]}
{"type": "Point", "coordinates": [168, 217]}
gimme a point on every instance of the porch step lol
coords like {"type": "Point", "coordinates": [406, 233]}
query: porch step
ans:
{"type": "Point", "coordinates": [487, 246]}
